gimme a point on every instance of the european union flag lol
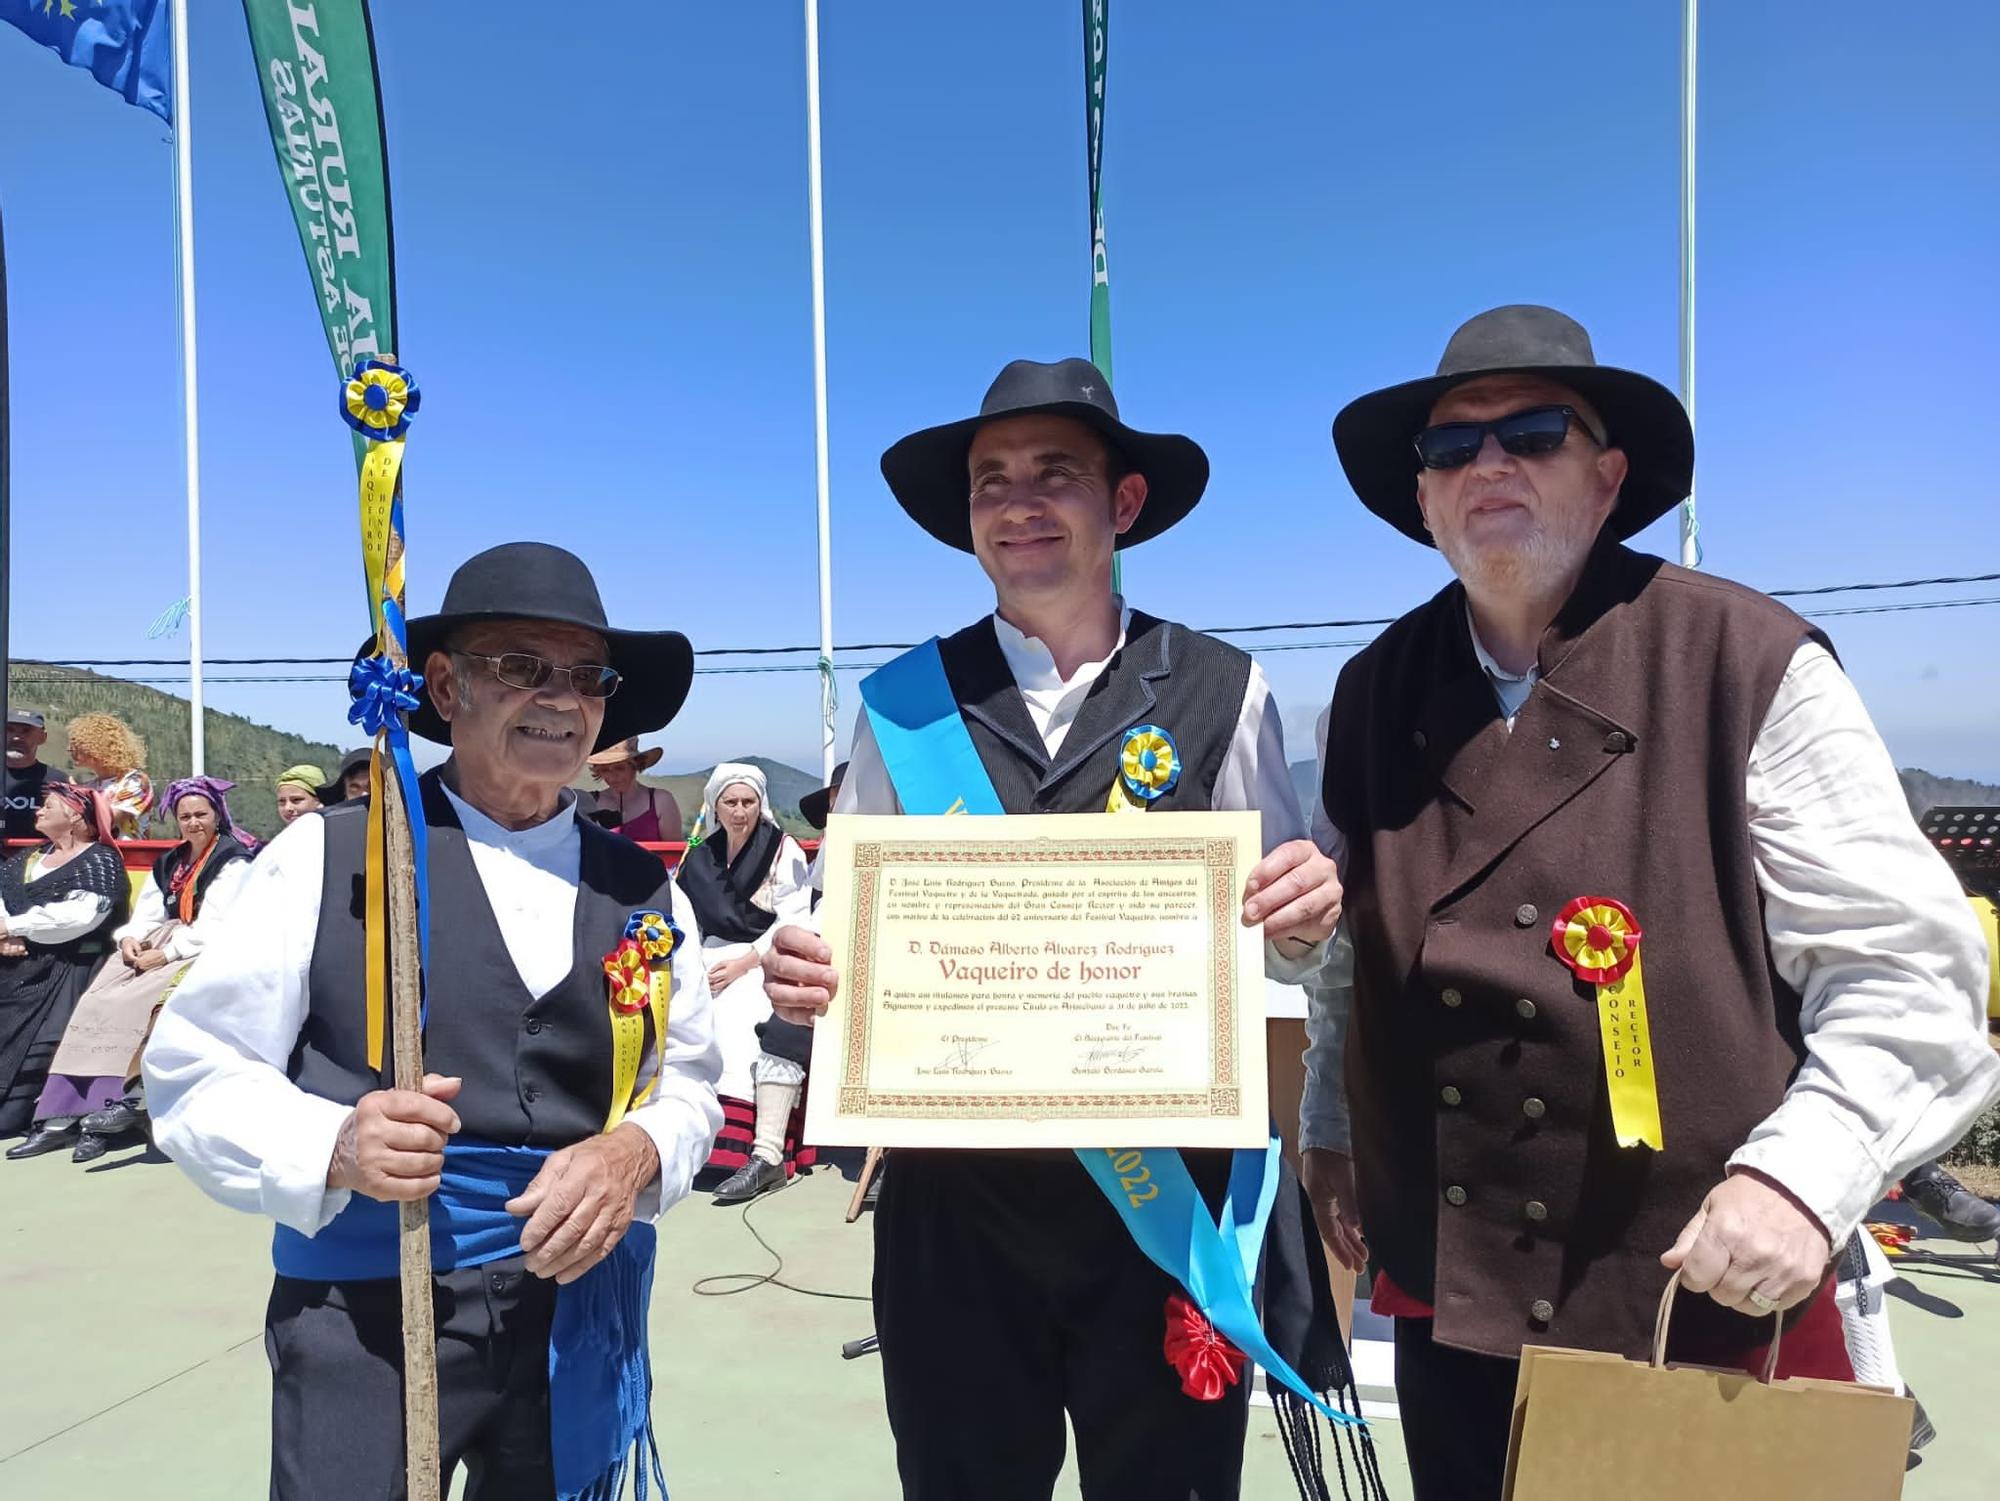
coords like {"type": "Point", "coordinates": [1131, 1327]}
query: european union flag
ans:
{"type": "Point", "coordinates": [126, 44]}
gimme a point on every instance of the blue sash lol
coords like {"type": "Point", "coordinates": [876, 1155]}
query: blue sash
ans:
{"type": "Point", "coordinates": [936, 769]}
{"type": "Point", "coordinates": [600, 1374]}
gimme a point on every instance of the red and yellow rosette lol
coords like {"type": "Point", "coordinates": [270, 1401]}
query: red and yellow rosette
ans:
{"type": "Point", "coordinates": [639, 976]}
{"type": "Point", "coordinates": [1599, 939]}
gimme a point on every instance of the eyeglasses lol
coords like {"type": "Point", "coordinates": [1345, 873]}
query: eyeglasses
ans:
{"type": "Point", "coordinates": [519, 669]}
{"type": "Point", "coordinates": [1524, 434]}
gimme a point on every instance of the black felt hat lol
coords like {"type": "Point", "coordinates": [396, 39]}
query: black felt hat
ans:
{"type": "Point", "coordinates": [927, 470]}
{"type": "Point", "coordinates": [1374, 433]}
{"type": "Point", "coordinates": [535, 581]}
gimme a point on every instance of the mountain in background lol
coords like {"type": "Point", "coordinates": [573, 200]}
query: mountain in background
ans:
{"type": "Point", "coordinates": [238, 749]}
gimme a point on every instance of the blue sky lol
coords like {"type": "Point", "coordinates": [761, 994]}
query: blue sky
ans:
{"type": "Point", "coordinates": [601, 232]}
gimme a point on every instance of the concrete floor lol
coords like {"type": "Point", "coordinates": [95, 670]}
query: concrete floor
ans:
{"type": "Point", "coordinates": [130, 1333]}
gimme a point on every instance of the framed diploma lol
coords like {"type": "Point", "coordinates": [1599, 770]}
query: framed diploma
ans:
{"type": "Point", "coordinates": [1041, 981]}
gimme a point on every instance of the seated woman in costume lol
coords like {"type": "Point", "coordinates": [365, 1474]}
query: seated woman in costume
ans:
{"type": "Point", "coordinates": [624, 806]}
{"type": "Point", "coordinates": [745, 880]}
{"type": "Point", "coordinates": [298, 791]}
{"type": "Point", "coordinates": [108, 755]}
{"type": "Point", "coordinates": [58, 904]}
{"type": "Point", "coordinates": [92, 1093]}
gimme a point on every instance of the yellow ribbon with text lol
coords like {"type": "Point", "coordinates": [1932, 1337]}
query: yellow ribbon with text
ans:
{"type": "Point", "coordinates": [1599, 938]}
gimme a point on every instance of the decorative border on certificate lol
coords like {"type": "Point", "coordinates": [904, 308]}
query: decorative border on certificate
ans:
{"type": "Point", "coordinates": [1214, 857]}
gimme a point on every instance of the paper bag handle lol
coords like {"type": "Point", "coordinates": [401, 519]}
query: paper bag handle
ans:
{"type": "Point", "coordinates": [1666, 1315]}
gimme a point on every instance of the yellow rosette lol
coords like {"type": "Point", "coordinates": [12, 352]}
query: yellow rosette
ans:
{"type": "Point", "coordinates": [1599, 938]}
{"type": "Point", "coordinates": [639, 975]}
{"type": "Point", "coordinates": [1149, 767]}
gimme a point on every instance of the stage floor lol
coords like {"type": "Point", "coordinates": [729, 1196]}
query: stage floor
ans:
{"type": "Point", "coordinates": [131, 1314]}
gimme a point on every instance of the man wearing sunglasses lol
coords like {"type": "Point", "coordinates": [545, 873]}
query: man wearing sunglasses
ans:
{"type": "Point", "coordinates": [1653, 972]}
{"type": "Point", "coordinates": [555, 1123]}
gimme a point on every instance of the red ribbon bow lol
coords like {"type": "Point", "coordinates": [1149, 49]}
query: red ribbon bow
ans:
{"type": "Point", "coordinates": [1207, 1364]}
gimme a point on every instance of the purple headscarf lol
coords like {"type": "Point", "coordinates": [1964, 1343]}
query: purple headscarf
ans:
{"type": "Point", "coordinates": [215, 790]}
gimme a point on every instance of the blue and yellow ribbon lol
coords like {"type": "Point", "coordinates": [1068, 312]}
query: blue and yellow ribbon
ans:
{"type": "Point", "coordinates": [378, 402]}
{"type": "Point", "coordinates": [1149, 767]}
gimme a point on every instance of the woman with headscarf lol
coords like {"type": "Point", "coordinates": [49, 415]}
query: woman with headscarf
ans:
{"type": "Point", "coordinates": [746, 879]}
{"type": "Point", "coordinates": [90, 1098]}
{"type": "Point", "coordinates": [58, 903]}
{"type": "Point", "coordinates": [109, 755]}
{"type": "Point", "coordinates": [298, 791]}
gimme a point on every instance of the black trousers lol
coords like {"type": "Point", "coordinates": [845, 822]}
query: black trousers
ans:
{"type": "Point", "coordinates": [1007, 1292]}
{"type": "Point", "coordinates": [1457, 1409]}
{"type": "Point", "coordinates": [336, 1351]}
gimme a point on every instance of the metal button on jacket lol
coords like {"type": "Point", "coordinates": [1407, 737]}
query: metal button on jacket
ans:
{"type": "Point", "coordinates": [1451, 997]}
{"type": "Point", "coordinates": [1419, 740]}
{"type": "Point", "coordinates": [1617, 742]}
{"type": "Point", "coordinates": [1533, 1108]}
{"type": "Point", "coordinates": [1535, 1210]}
{"type": "Point", "coordinates": [534, 1025]}
{"type": "Point", "coordinates": [1525, 1009]}
{"type": "Point", "coordinates": [1454, 1196]}
{"type": "Point", "coordinates": [1450, 1095]}
{"type": "Point", "coordinates": [1541, 1310]}
{"type": "Point", "coordinates": [1525, 915]}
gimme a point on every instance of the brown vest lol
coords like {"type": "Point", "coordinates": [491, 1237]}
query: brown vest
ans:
{"type": "Point", "coordinates": [1491, 1185]}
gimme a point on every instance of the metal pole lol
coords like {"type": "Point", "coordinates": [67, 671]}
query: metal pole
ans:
{"type": "Point", "coordinates": [1690, 530]}
{"type": "Point", "coordinates": [190, 406]}
{"type": "Point", "coordinates": [826, 685]}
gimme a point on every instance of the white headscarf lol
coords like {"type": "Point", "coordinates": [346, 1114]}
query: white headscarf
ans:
{"type": "Point", "coordinates": [728, 775]}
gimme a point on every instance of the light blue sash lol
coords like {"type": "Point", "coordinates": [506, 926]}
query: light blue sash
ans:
{"type": "Point", "coordinates": [936, 769]}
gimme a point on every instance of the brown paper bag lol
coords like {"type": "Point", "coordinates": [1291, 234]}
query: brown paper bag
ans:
{"type": "Point", "coordinates": [1589, 1426]}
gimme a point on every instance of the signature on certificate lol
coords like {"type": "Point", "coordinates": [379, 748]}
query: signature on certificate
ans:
{"type": "Point", "coordinates": [964, 1052]}
{"type": "Point", "coordinates": [1124, 1054]}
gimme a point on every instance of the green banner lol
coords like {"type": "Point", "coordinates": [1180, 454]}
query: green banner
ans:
{"type": "Point", "coordinates": [1095, 23]}
{"type": "Point", "coordinates": [316, 62]}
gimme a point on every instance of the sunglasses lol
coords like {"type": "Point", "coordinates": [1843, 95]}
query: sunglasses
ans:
{"type": "Point", "coordinates": [1525, 434]}
{"type": "Point", "coordinates": [519, 669]}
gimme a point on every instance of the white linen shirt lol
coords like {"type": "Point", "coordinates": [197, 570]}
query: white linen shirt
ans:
{"type": "Point", "coordinates": [222, 1105]}
{"type": "Point", "coordinates": [1864, 921]}
{"type": "Point", "coordinates": [1253, 776]}
{"type": "Point", "coordinates": [187, 940]}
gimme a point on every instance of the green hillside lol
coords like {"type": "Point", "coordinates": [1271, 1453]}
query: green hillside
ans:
{"type": "Point", "coordinates": [242, 750]}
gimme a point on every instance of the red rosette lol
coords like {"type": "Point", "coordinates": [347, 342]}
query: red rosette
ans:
{"type": "Point", "coordinates": [631, 987]}
{"type": "Point", "coordinates": [1207, 1364]}
{"type": "Point", "coordinates": [1597, 937]}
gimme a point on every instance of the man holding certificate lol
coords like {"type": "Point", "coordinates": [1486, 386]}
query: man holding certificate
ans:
{"type": "Point", "coordinates": [1009, 1287]}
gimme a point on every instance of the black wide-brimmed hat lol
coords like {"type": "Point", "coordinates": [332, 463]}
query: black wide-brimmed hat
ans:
{"type": "Point", "coordinates": [927, 470]}
{"type": "Point", "coordinates": [1373, 434]}
{"type": "Point", "coordinates": [815, 805]}
{"type": "Point", "coordinates": [534, 581]}
{"type": "Point", "coordinates": [335, 791]}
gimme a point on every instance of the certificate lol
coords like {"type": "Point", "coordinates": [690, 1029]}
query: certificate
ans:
{"type": "Point", "coordinates": [1076, 980]}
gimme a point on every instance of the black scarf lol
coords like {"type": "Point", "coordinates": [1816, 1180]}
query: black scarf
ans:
{"type": "Point", "coordinates": [720, 890]}
{"type": "Point", "coordinates": [97, 869]}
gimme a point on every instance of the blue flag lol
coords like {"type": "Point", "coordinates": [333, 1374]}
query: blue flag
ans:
{"type": "Point", "coordinates": [126, 44]}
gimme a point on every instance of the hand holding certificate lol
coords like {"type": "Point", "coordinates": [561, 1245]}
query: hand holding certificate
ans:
{"type": "Point", "coordinates": [1066, 981]}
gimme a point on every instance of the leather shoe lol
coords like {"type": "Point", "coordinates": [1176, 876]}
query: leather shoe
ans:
{"type": "Point", "coordinates": [42, 1139]}
{"type": "Point", "coordinates": [755, 1178]}
{"type": "Point", "coordinates": [1959, 1212]}
{"type": "Point", "coordinates": [89, 1147]}
{"type": "Point", "coordinates": [114, 1119]}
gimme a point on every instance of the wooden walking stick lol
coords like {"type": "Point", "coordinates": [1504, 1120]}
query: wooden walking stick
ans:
{"type": "Point", "coordinates": [379, 401]}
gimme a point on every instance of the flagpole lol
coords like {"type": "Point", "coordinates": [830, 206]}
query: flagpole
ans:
{"type": "Point", "coordinates": [826, 685]}
{"type": "Point", "coordinates": [6, 520]}
{"type": "Point", "coordinates": [1690, 530]}
{"type": "Point", "coordinates": [190, 417]}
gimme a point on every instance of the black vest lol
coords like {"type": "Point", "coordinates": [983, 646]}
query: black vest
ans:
{"type": "Point", "coordinates": [537, 1072]}
{"type": "Point", "coordinates": [1188, 684]}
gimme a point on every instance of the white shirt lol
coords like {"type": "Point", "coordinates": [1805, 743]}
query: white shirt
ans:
{"type": "Point", "coordinates": [58, 921]}
{"type": "Point", "coordinates": [1863, 920]}
{"type": "Point", "coordinates": [1253, 775]}
{"type": "Point", "coordinates": [215, 1069]}
{"type": "Point", "coordinates": [188, 939]}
